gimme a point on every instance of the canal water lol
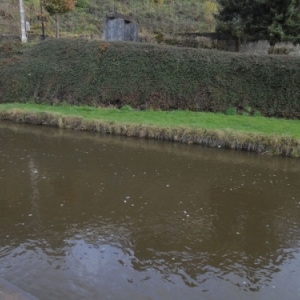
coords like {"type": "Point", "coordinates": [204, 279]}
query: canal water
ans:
{"type": "Point", "coordinates": [92, 216]}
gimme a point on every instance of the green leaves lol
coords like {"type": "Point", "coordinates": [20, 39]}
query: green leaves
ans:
{"type": "Point", "coordinates": [58, 6]}
{"type": "Point", "coordinates": [273, 20]}
{"type": "Point", "coordinates": [151, 76]}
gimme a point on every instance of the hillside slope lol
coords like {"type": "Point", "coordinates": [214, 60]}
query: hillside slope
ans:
{"type": "Point", "coordinates": [154, 16]}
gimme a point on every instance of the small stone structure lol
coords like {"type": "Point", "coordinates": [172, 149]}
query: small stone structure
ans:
{"type": "Point", "coordinates": [119, 27]}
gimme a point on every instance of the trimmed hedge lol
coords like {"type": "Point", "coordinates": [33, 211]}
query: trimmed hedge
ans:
{"type": "Point", "coordinates": [149, 76]}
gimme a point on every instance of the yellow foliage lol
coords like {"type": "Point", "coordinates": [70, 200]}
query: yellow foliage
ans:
{"type": "Point", "coordinates": [210, 7]}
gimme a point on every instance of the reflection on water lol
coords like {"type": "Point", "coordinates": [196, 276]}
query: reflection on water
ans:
{"type": "Point", "coordinates": [88, 216]}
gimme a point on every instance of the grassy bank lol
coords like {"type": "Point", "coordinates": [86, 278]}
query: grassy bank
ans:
{"type": "Point", "coordinates": [258, 134]}
{"type": "Point", "coordinates": [148, 76]}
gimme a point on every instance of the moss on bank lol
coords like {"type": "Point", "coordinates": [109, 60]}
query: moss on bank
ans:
{"type": "Point", "coordinates": [286, 145]}
{"type": "Point", "coordinates": [150, 76]}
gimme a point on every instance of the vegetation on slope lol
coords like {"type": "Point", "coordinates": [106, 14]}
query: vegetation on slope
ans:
{"type": "Point", "coordinates": [153, 16]}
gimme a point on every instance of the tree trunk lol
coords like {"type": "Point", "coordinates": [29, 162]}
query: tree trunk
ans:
{"type": "Point", "coordinates": [42, 19]}
{"type": "Point", "coordinates": [271, 49]}
{"type": "Point", "coordinates": [22, 20]}
{"type": "Point", "coordinates": [56, 25]}
{"type": "Point", "coordinates": [237, 44]}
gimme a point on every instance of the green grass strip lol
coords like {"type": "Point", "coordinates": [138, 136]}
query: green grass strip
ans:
{"type": "Point", "coordinates": [173, 119]}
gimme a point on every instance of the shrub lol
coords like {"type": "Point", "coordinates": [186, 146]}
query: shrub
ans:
{"type": "Point", "coordinates": [126, 108]}
{"type": "Point", "coordinates": [151, 76]}
{"type": "Point", "coordinates": [257, 114]}
{"type": "Point", "coordinates": [280, 51]}
{"type": "Point", "coordinates": [232, 111]}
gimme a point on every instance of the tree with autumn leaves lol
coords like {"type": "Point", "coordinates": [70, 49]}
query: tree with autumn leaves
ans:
{"type": "Point", "coordinates": [58, 7]}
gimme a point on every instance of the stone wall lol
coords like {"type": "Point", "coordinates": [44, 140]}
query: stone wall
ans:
{"type": "Point", "coordinates": [210, 41]}
{"type": "Point", "coordinates": [9, 37]}
{"type": "Point", "coordinates": [263, 47]}
{"type": "Point", "coordinates": [120, 28]}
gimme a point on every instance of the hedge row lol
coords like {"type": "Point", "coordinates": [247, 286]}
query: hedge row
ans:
{"type": "Point", "coordinates": [150, 76]}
